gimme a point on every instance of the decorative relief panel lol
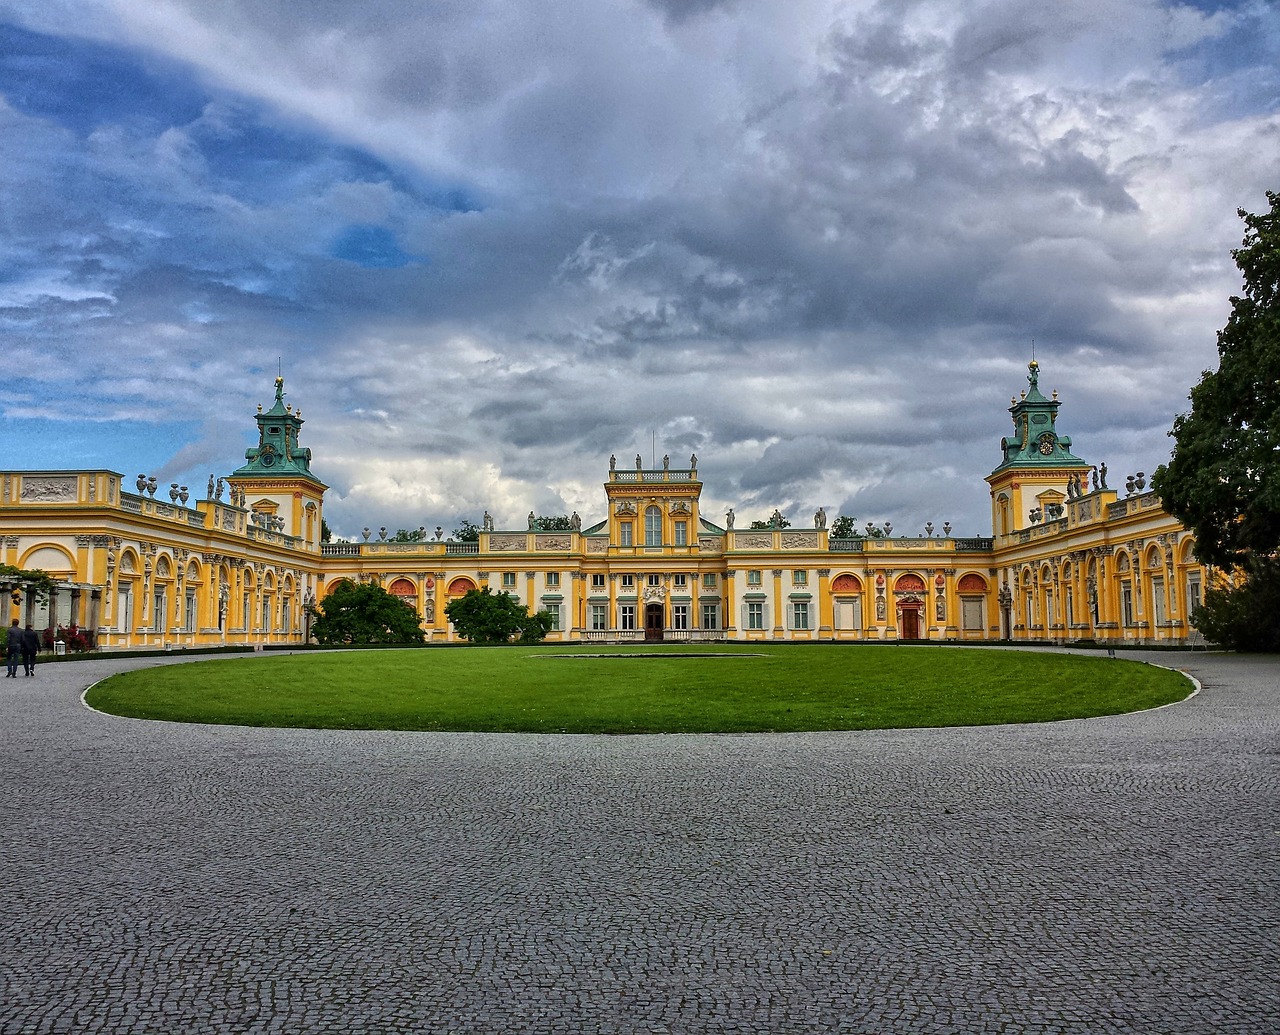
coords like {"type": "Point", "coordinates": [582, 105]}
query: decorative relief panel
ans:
{"type": "Point", "coordinates": [58, 489]}
{"type": "Point", "coordinates": [799, 540]}
{"type": "Point", "coordinates": [706, 542]}
{"type": "Point", "coordinates": [552, 542]}
{"type": "Point", "coordinates": [598, 545]}
{"type": "Point", "coordinates": [747, 541]}
{"type": "Point", "coordinates": [507, 542]}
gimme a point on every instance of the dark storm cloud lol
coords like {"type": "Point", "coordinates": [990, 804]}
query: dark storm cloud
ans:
{"type": "Point", "coordinates": [493, 243]}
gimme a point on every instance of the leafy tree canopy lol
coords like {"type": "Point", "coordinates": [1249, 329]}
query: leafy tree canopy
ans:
{"type": "Point", "coordinates": [1223, 481]}
{"type": "Point", "coordinates": [843, 528]}
{"type": "Point", "coordinates": [408, 535]}
{"type": "Point", "coordinates": [777, 521]}
{"type": "Point", "coordinates": [325, 534]}
{"type": "Point", "coordinates": [365, 613]}
{"type": "Point", "coordinates": [553, 523]}
{"type": "Point", "coordinates": [31, 580]}
{"type": "Point", "coordinates": [482, 616]}
{"type": "Point", "coordinates": [1243, 617]}
{"type": "Point", "coordinates": [467, 532]}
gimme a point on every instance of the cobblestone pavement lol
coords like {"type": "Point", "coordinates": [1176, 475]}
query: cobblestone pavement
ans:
{"type": "Point", "coordinates": [1116, 874]}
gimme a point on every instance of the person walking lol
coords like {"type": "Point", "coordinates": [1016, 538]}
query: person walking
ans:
{"type": "Point", "coordinates": [15, 649]}
{"type": "Point", "coordinates": [30, 648]}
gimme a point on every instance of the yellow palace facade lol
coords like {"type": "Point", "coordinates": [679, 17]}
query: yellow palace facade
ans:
{"type": "Point", "coordinates": [1068, 559]}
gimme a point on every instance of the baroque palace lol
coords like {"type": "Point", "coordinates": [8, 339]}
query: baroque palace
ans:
{"type": "Point", "coordinates": [1068, 559]}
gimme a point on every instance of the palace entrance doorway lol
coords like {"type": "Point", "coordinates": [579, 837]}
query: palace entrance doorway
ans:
{"type": "Point", "coordinates": [909, 626]}
{"type": "Point", "coordinates": [653, 623]}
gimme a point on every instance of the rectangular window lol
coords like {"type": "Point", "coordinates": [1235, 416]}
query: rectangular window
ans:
{"type": "Point", "coordinates": [709, 580]}
{"type": "Point", "coordinates": [553, 580]}
{"type": "Point", "coordinates": [654, 580]}
{"type": "Point", "coordinates": [1126, 597]}
{"type": "Point", "coordinates": [755, 614]}
{"type": "Point", "coordinates": [266, 615]}
{"type": "Point", "coordinates": [159, 608]}
{"type": "Point", "coordinates": [599, 618]}
{"type": "Point", "coordinates": [189, 618]}
{"type": "Point", "coordinates": [799, 614]}
{"type": "Point", "coordinates": [680, 616]}
{"type": "Point", "coordinates": [624, 533]}
{"type": "Point", "coordinates": [627, 617]}
{"type": "Point", "coordinates": [753, 578]}
{"type": "Point", "coordinates": [1193, 593]}
{"type": "Point", "coordinates": [971, 614]}
{"type": "Point", "coordinates": [245, 612]}
{"type": "Point", "coordinates": [682, 533]}
{"type": "Point", "coordinates": [508, 580]}
{"type": "Point", "coordinates": [125, 610]}
{"type": "Point", "coordinates": [682, 581]}
{"type": "Point", "coordinates": [800, 577]}
{"type": "Point", "coordinates": [553, 610]}
{"type": "Point", "coordinates": [653, 527]}
{"type": "Point", "coordinates": [597, 580]}
{"type": "Point", "coordinates": [710, 616]}
{"type": "Point", "coordinates": [284, 618]}
{"type": "Point", "coordinates": [628, 582]}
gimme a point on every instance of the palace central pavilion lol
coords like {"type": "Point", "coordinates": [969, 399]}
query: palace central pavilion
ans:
{"type": "Point", "coordinates": [1068, 559]}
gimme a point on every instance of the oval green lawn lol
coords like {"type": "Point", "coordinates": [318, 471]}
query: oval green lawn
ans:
{"type": "Point", "coordinates": [548, 690]}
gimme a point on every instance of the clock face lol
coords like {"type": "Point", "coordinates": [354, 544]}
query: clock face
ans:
{"type": "Point", "coordinates": [1046, 445]}
{"type": "Point", "coordinates": [268, 458]}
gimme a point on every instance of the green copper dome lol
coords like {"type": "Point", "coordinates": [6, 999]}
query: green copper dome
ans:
{"type": "Point", "coordinates": [1036, 442]}
{"type": "Point", "coordinates": [277, 454]}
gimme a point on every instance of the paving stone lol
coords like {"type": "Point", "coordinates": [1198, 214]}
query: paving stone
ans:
{"type": "Point", "coordinates": [1114, 874]}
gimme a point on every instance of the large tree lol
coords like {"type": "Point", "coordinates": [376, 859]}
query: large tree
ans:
{"type": "Point", "coordinates": [482, 616]}
{"type": "Point", "coordinates": [365, 614]}
{"type": "Point", "coordinates": [1223, 481]}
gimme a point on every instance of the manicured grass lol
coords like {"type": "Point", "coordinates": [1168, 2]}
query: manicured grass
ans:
{"type": "Point", "coordinates": [546, 690]}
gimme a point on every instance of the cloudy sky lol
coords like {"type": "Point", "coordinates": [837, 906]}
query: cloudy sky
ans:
{"type": "Point", "coordinates": [491, 242]}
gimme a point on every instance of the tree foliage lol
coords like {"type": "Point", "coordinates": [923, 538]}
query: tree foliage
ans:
{"type": "Point", "coordinates": [553, 523]}
{"type": "Point", "coordinates": [30, 580]}
{"type": "Point", "coordinates": [1243, 617]}
{"type": "Point", "coordinates": [482, 616]}
{"type": "Point", "coordinates": [773, 522]}
{"type": "Point", "coordinates": [408, 535]}
{"type": "Point", "coordinates": [1223, 481]}
{"type": "Point", "coordinates": [843, 528]}
{"type": "Point", "coordinates": [467, 532]}
{"type": "Point", "coordinates": [326, 535]}
{"type": "Point", "coordinates": [365, 613]}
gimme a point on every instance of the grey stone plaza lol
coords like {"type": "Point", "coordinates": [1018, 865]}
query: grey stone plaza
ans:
{"type": "Point", "coordinates": [1115, 874]}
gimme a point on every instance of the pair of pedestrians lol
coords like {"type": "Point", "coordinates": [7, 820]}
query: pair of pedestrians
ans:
{"type": "Point", "coordinates": [24, 644]}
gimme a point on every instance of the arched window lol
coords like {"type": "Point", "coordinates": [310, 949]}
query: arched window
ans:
{"type": "Point", "coordinates": [652, 526]}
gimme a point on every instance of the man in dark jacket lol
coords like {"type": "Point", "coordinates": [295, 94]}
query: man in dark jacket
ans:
{"type": "Point", "coordinates": [30, 648]}
{"type": "Point", "coordinates": [15, 649]}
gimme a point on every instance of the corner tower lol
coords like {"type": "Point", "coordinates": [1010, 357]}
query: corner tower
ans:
{"type": "Point", "coordinates": [1037, 465]}
{"type": "Point", "coordinates": [277, 479]}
